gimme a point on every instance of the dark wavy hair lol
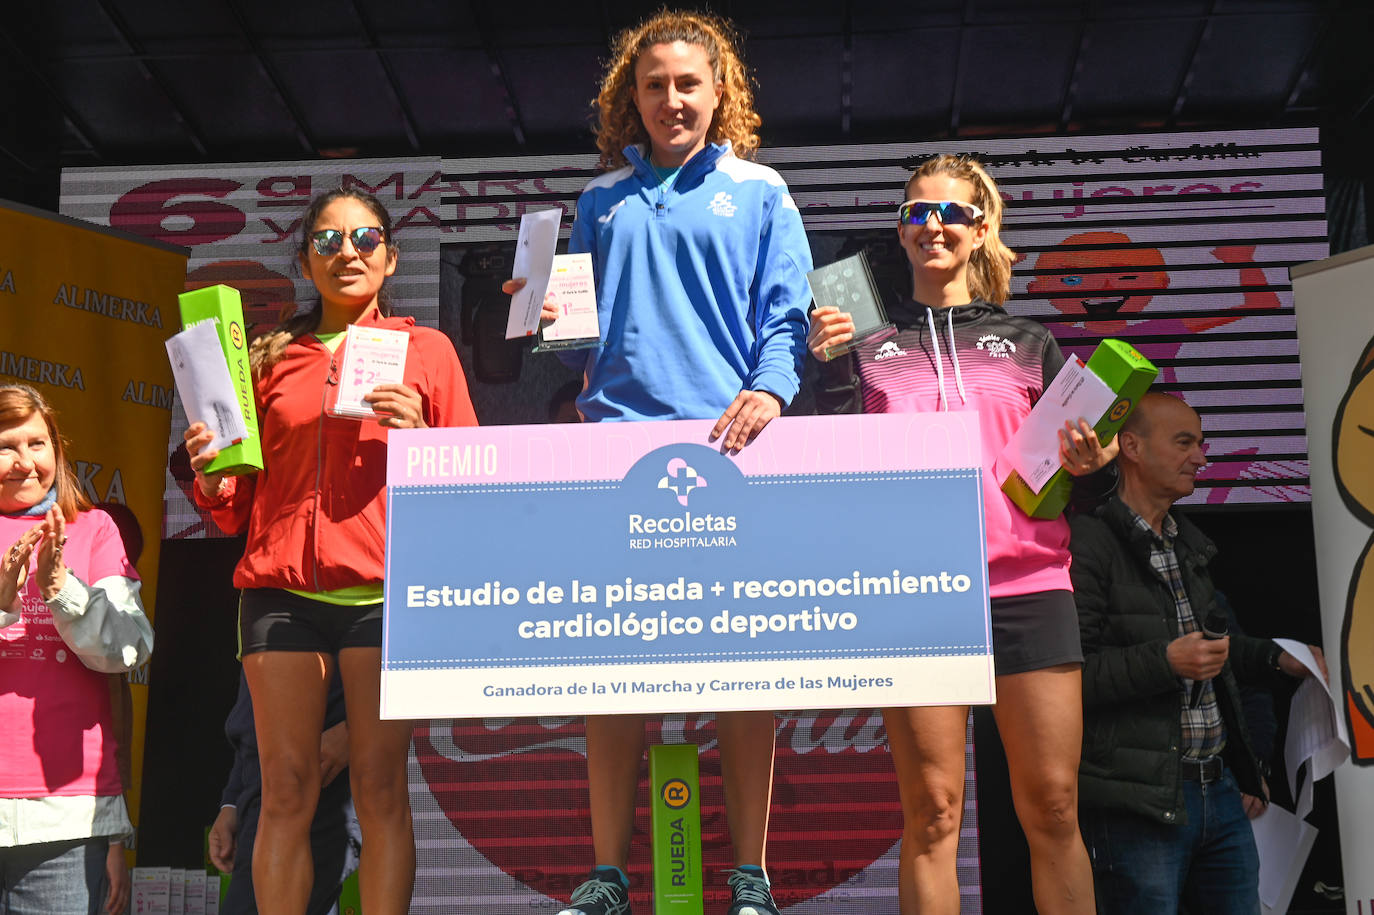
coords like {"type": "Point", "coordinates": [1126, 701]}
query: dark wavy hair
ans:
{"type": "Point", "coordinates": [266, 351]}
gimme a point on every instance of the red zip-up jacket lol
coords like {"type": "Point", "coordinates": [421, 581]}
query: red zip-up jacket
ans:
{"type": "Point", "coordinates": [316, 513]}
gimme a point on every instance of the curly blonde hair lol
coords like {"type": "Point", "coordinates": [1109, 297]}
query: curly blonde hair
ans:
{"type": "Point", "coordinates": [619, 123]}
{"type": "Point", "coordinates": [989, 267]}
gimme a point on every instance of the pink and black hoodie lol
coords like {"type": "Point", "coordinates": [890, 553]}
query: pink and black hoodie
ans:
{"type": "Point", "coordinates": [966, 357]}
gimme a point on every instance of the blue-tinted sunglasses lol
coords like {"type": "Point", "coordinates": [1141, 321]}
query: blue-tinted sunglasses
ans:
{"type": "Point", "coordinates": [948, 212]}
{"type": "Point", "coordinates": [330, 241]}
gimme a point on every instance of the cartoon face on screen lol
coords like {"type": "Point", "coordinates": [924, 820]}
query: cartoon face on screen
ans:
{"type": "Point", "coordinates": [1353, 450]}
{"type": "Point", "coordinates": [1114, 288]}
{"type": "Point", "coordinates": [1100, 283]}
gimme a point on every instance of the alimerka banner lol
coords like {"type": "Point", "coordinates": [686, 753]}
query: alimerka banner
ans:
{"type": "Point", "coordinates": [85, 311]}
{"type": "Point", "coordinates": [632, 568]}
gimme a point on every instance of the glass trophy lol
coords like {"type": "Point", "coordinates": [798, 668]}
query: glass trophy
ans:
{"type": "Point", "coordinates": [572, 289]}
{"type": "Point", "coordinates": [848, 285]}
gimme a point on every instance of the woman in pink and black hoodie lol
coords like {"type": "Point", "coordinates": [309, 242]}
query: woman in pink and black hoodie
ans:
{"type": "Point", "coordinates": [957, 349]}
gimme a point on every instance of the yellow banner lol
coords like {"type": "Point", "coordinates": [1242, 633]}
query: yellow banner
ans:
{"type": "Point", "coordinates": [84, 311]}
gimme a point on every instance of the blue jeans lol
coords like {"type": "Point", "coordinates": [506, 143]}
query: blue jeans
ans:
{"type": "Point", "coordinates": [1209, 862]}
{"type": "Point", "coordinates": [54, 878]}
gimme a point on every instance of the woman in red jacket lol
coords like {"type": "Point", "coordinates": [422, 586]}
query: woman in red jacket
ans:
{"type": "Point", "coordinates": [312, 568]}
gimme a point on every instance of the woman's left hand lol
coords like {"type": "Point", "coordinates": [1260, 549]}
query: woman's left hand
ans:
{"type": "Point", "coordinates": [1080, 452]}
{"type": "Point", "coordinates": [745, 418]}
{"type": "Point", "coordinates": [52, 571]}
{"type": "Point", "coordinates": [397, 406]}
{"type": "Point", "coordinates": [14, 565]}
{"type": "Point", "coordinates": [117, 870]}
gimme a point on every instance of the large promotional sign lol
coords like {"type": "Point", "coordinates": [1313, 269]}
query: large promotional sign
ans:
{"type": "Point", "coordinates": [1336, 329]}
{"type": "Point", "coordinates": [85, 311]}
{"type": "Point", "coordinates": [631, 567]}
{"type": "Point", "coordinates": [490, 527]}
{"type": "Point", "coordinates": [242, 224]}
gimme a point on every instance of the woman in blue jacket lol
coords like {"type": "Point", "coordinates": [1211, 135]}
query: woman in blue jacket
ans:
{"type": "Point", "coordinates": [700, 262]}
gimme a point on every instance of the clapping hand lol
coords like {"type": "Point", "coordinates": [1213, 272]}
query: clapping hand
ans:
{"type": "Point", "coordinates": [52, 571]}
{"type": "Point", "coordinates": [14, 567]}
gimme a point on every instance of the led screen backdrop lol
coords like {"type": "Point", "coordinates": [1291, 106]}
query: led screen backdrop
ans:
{"type": "Point", "coordinates": [1178, 242]}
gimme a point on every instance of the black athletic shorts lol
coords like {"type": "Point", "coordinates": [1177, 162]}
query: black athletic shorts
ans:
{"type": "Point", "coordinates": [275, 620]}
{"type": "Point", "coordinates": [1034, 631]}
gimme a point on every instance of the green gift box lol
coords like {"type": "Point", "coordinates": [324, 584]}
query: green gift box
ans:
{"type": "Point", "coordinates": [224, 306]}
{"type": "Point", "coordinates": [1129, 374]}
{"type": "Point", "coordinates": [675, 824]}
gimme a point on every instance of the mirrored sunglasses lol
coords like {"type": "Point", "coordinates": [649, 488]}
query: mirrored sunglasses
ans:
{"type": "Point", "coordinates": [330, 241]}
{"type": "Point", "coordinates": [948, 212]}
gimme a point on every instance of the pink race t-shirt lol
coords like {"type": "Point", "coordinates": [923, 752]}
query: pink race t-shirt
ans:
{"type": "Point", "coordinates": [58, 735]}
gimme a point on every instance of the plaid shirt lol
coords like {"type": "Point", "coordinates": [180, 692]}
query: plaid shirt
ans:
{"type": "Point", "coordinates": [1204, 733]}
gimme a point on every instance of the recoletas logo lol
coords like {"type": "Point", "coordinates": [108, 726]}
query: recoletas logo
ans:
{"type": "Point", "coordinates": [681, 479]}
{"type": "Point", "coordinates": [516, 790]}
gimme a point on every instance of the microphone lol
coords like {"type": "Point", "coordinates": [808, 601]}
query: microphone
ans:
{"type": "Point", "coordinates": [1213, 628]}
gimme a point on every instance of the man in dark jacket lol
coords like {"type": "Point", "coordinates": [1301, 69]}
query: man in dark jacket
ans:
{"type": "Point", "coordinates": [1166, 755]}
{"type": "Point", "coordinates": [334, 836]}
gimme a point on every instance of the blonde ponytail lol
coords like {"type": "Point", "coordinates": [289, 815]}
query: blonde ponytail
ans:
{"type": "Point", "coordinates": [989, 267]}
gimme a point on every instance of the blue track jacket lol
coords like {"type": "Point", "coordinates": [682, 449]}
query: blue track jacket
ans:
{"type": "Point", "coordinates": [701, 288]}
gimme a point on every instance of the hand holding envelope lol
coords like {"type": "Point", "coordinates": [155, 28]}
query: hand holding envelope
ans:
{"type": "Point", "coordinates": [548, 312]}
{"type": "Point", "coordinates": [1034, 451]}
{"type": "Point", "coordinates": [535, 248]}
{"type": "Point", "coordinates": [1316, 729]}
{"type": "Point", "coordinates": [1317, 739]}
{"type": "Point", "coordinates": [552, 293]}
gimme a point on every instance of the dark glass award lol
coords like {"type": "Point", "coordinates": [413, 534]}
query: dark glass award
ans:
{"type": "Point", "coordinates": [848, 285]}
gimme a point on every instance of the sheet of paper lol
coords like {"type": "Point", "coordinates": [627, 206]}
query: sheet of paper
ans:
{"type": "Point", "coordinates": [202, 379]}
{"type": "Point", "coordinates": [1316, 729]}
{"type": "Point", "coordinates": [195, 893]}
{"type": "Point", "coordinates": [212, 882]}
{"type": "Point", "coordinates": [371, 356]}
{"type": "Point", "coordinates": [1034, 450]}
{"type": "Point", "coordinates": [1284, 841]}
{"type": "Point", "coordinates": [534, 251]}
{"type": "Point", "coordinates": [176, 892]}
{"type": "Point", "coordinates": [151, 890]}
{"type": "Point", "coordinates": [573, 288]}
